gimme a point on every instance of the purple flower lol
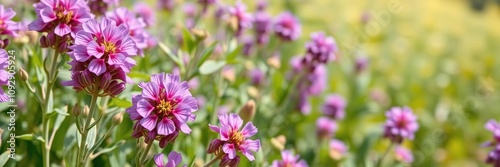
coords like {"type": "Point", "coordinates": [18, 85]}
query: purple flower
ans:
{"type": "Point", "coordinates": [326, 127]}
{"type": "Point", "coordinates": [403, 155]}
{"type": "Point", "coordinates": [174, 159]}
{"type": "Point", "coordinates": [163, 109]}
{"type": "Point", "coordinates": [99, 7]}
{"type": "Point", "coordinates": [494, 157]}
{"type": "Point", "coordinates": [101, 58]}
{"type": "Point", "coordinates": [136, 26]}
{"type": "Point", "coordinates": [232, 139]}
{"type": "Point", "coordinates": [337, 149]}
{"type": "Point", "coordinates": [334, 107]}
{"type": "Point", "coordinates": [401, 123]}
{"type": "Point", "coordinates": [167, 5]}
{"type": "Point", "coordinates": [7, 26]}
{"type": "Point", "coordinates": [60, 16]}
{"type": "Point", "coordinates": [320, 49]}
{"type": "Point", "coordinates": [244, 19]}
{"type": "Point", "coordinates": [189, 10]}
{"type": "Point", "coordinates": [287, 27]}
{"type": "Point", "coordinates": [303, 105]}
{"type": "Point", "coordinates": [4, 75]}
{"type": "Point", "coordinates": [361, 64]}
{"type": "Point", "coordinates": [494, 127]}
{"type": "Point", "coordinates": [315, 82]}
{"type": "Point", "coordinates": [289, 160]}
{"type": "Point", "coordinates": [262, 22]}
{"type": "Point", "coordinates": [257, 77]}
{"type": "Point", "coordinates": [145, 12]}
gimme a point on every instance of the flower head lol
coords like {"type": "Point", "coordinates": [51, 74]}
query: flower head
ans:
{"type": "Point", "coordinates": [494, 127]}
{"type": "Point", "coordinates": [7, 26]}
{"type": "Point", "coordinates": [174, 159]}
{"type": "Point", "coordinates": [401, 123]}
{"type": "Point", "coordinates": [334, 107]}
{"type": "Point", "coordinates": [232, 139]}
{"type": "Point", "coordinates": [167, 5]}
{"type": "Point", "coordinates": [403, 155]}
{"type": "Point", "coordinates": [494, 156]}
{"type": "Point", "coordinates": [320, 49]}
{"type": "Point", "coordinates": [244, 19]}
{"type": "Point", "coordinates": [163, 109]}
{"type": "Point", "coordinates": [145, 12]}
{"type": "Point", "coordinates": [4, 75]}
{"type": "Point", "coordinates": [99, 7]}
{"type": "Point", "coordinates": [287, 27]}
{"type": "Point", "coordinates": [101, 58]}
{"type": "Point", "coordinates": [337, 149]}
{"type": "Point", "coordinates": [136, 26]}
{"type": "Point", "coordinates": [60, 16]}
{"type": "Point", "coordinates": [262, 22]}
{"type": "Point", "coordinates": [326, 127]}
{"type": "Point", "coordinates": [289, 160]}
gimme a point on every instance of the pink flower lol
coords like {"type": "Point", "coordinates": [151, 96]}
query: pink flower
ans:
{"type": "Point", "coordinates": [145, 12]}
{"type": "Point", "coordinates": [136, 26]}
{"type": "Point", "coordinates": [337, 149]}
{"type": "Point", "coordinates": [244, 19]}
{"type": "Point", "coordinates": [326, 127]}
{"type": "Point", "coordinates": [289, 160]}
{"type": "Point", "coordinates": [334, 107]}
{"type": "Point", "coordinates": [403, 155]}
{"type": "Point", "coordinates": [7, 26]}
{"type": "Point", "coordinates": [320, 49]}
{"type": "Point", "coordinates": [174, 159]}
{"type": "Point", "coordinates": [163, 109]}
{"type": "Point", "coordinates": [99, 7]}
{"type": "Point", "coordinates": [232, 139]}
{"type": "Point", "coordinates": [60, 16]}
{"type": "Point", "coordinates": [101, 58]}
{"type": "Point", "coordinates": [287, 27]}
{"type": "Point", "coordinates": [4, 75]}
{"type": "Point", "coordinates": [401, 123]}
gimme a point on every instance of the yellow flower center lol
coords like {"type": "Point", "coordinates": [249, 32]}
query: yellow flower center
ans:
{"type": "Point", "coordinates": [237, 137]}
{"type": "Point", "coordinates": [66, 18]}
{"type": "Point", "coordinates": [109, 47]}
{"type": "Point", "coordinates": [164, 107]}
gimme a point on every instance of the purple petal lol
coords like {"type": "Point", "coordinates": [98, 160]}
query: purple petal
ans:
{"type": "Point", "coordinates": [62, 29]}
{"type": "Point", "coordinates": [214, 128]}
{"type": "Point", "coordinates": [185, 128]}
{"type": "Point", "coordinates": [159, 160]}
{"type": "Point", "coordinates": [117, 58]}
{"type": "Point", "coordinates": [235, 121]}
{"type": "Point", "coordinates": [166, 126]}
{"type": "Point", "coordinates": [150, 91]}
{"type": "Point", "coordinates": [249, 130]}
{"type": "Point", "coordinates": [92, 26]}
{"type": "Point", "coordinates": [95, 49]}
{"type": "Point", "coordinates": [174, 157]}
{"type": "Point", "coordinates": [36, 25]}
{"type": "Point", "coordinates": [182, 113]}
{"type": "Point", "coordinates": [79, 53]}
{"type": "Point", "coordinates": [97, 66]}
{"type": "Point", "coordinates": [149, 122]}
{"type": "Point", "coordinates": [144, 108]}
{"type": "Point", "coordinates": [230, 150]}
{"type": "Point", "coordinates": [47, 15]}
{"type": "Point", "coordinates": [83, 38]}
{"type": "Point", "coordinates": [128, 46]}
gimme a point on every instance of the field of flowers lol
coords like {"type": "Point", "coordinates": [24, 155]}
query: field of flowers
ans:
{"type": "Point", "coordinates": [278, 83]}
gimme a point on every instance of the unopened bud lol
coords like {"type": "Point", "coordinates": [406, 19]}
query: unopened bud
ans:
{"type": "Point", "coordinates": [200, 34]}
{"type": "Point", "coordinates": [247, 111]}
{"type": "Point", "coordinates": [118, 118]}
{"type": "Point", "coordinates": [229, 73]}
{"type": "Point", "coordinates": [76, 110]}
{"type": "Point", "coordinates": [253, 92]}
{"type": "Point", "coordinates": [43, 42]}
{"type": "Point", "coordinates": [51, 40]}
{"type": "Point", "coordinates": [274, 61]}
{"type": "Point", "coordinates": [32, 35]}
{"type": "Point", "coordinates": [233, 23]}
{"type": "Point", "coordinates": [278, 142]}
{"type": "Point", "coordinates": [23, 74]}
{"type": "Point", "coordinates": [86, 112]}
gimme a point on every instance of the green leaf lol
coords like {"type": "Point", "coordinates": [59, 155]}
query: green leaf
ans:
{"type": "Point", "coordinates": [232, 56]}
{"type": "Point", "coordinates": [138, 75]}
{"type": "Point", "coordinates": [4, 158]}
{"type": "Point", "coordinates": [365, 148]}
{"type": "Point", "coordinates": [188, 41]}
{"type": "Point", "coordinates": [211, 66]}
{"type": "Point", "coordinates": [207, 53]}
{"type": "Point", "coordinates": [171, 54]}
{"type": "Point", "coordinates": [109, 149]}
{"type": "Point", "coordinates": [92, 135]}
{"type": "Point", "coordinates": [191, 163]}
{"type": "Point", "coordinates": [122, 103]}
{"type": "Point", "coordinates": [62, 113]}
{"type": "Point", "coordinates": [26, 136]}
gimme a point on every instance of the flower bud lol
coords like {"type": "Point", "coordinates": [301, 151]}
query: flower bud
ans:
{"type": "Point", "coordinates": [4, 43]}
{"type": "Point", "coordinates": [63, 47]}
{"type": "Point", "coordinates": [274, 61]}
{"type": "Point", "coordinates": [278, 142]}
{"type": "Point", "coordinates": [118, 118]}
{"type": "Point", "coordinates": [1, 131]}
{"type": "Point", "coordinates": [247, 111]}
{"type": "Point", "coordinates": [214, 146]}
{"type": "Point", "coordinates": [23, 74]}
{"type": "Point", "coordinates": [233, 23]}
{"type": "Point", "coordinates": [86, 111]}
{"type": "Point", "coordinates": [76, 110]}
{"type": "Point", "coordinates": [253, 92]}
{"type": "Point", "coordinates": [200, 34]}
{"type": "Point", "coordinates": [51, 40]}
{"type": "Point", "coordinates": [32, 35]}
{"type": "Point", "coordinates": [43, 42]}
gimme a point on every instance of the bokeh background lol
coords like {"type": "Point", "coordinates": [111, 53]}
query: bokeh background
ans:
{"type": "Point", "coordinates": [439, 57]}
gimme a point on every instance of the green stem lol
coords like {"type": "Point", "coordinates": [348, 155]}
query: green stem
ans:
{"type": "Point", "coordinates": [81, 156]}
{"type": "Point", "coordinates": [211, 162]}
{"type": "Point", "coordinates": [379, 163]}
{"type": "Point", "coordinates": [45, 122]}
{"type": "Point", "coordinates": [145, 154]}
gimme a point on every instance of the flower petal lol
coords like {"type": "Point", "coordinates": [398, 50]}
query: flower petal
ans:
{"type": "Point", "coordinates": [249, 130]}
{"type": "Point", "coordinates": [230, 150]}
{"type": "Point", "coordinates": [97, 66]}
{"type": "Point", "coordinates": [62, 29]}
{"type": "Point", "coordinates": [117, 58]}
{"type": "Point", "coordinates": [166, 126]}
{"type": "Point", "coordinates": [95, 49]}
{"type": "Point", "coordinates": [159, 160]}
{"type": "Point", "coordinates": [151, 91]}
{"type": "Point", "coordinates": [144, 108]}
{"type": "Point", "coordinates": [149, 122]}
{"type": "Point", "coordinates": [174, 157]}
